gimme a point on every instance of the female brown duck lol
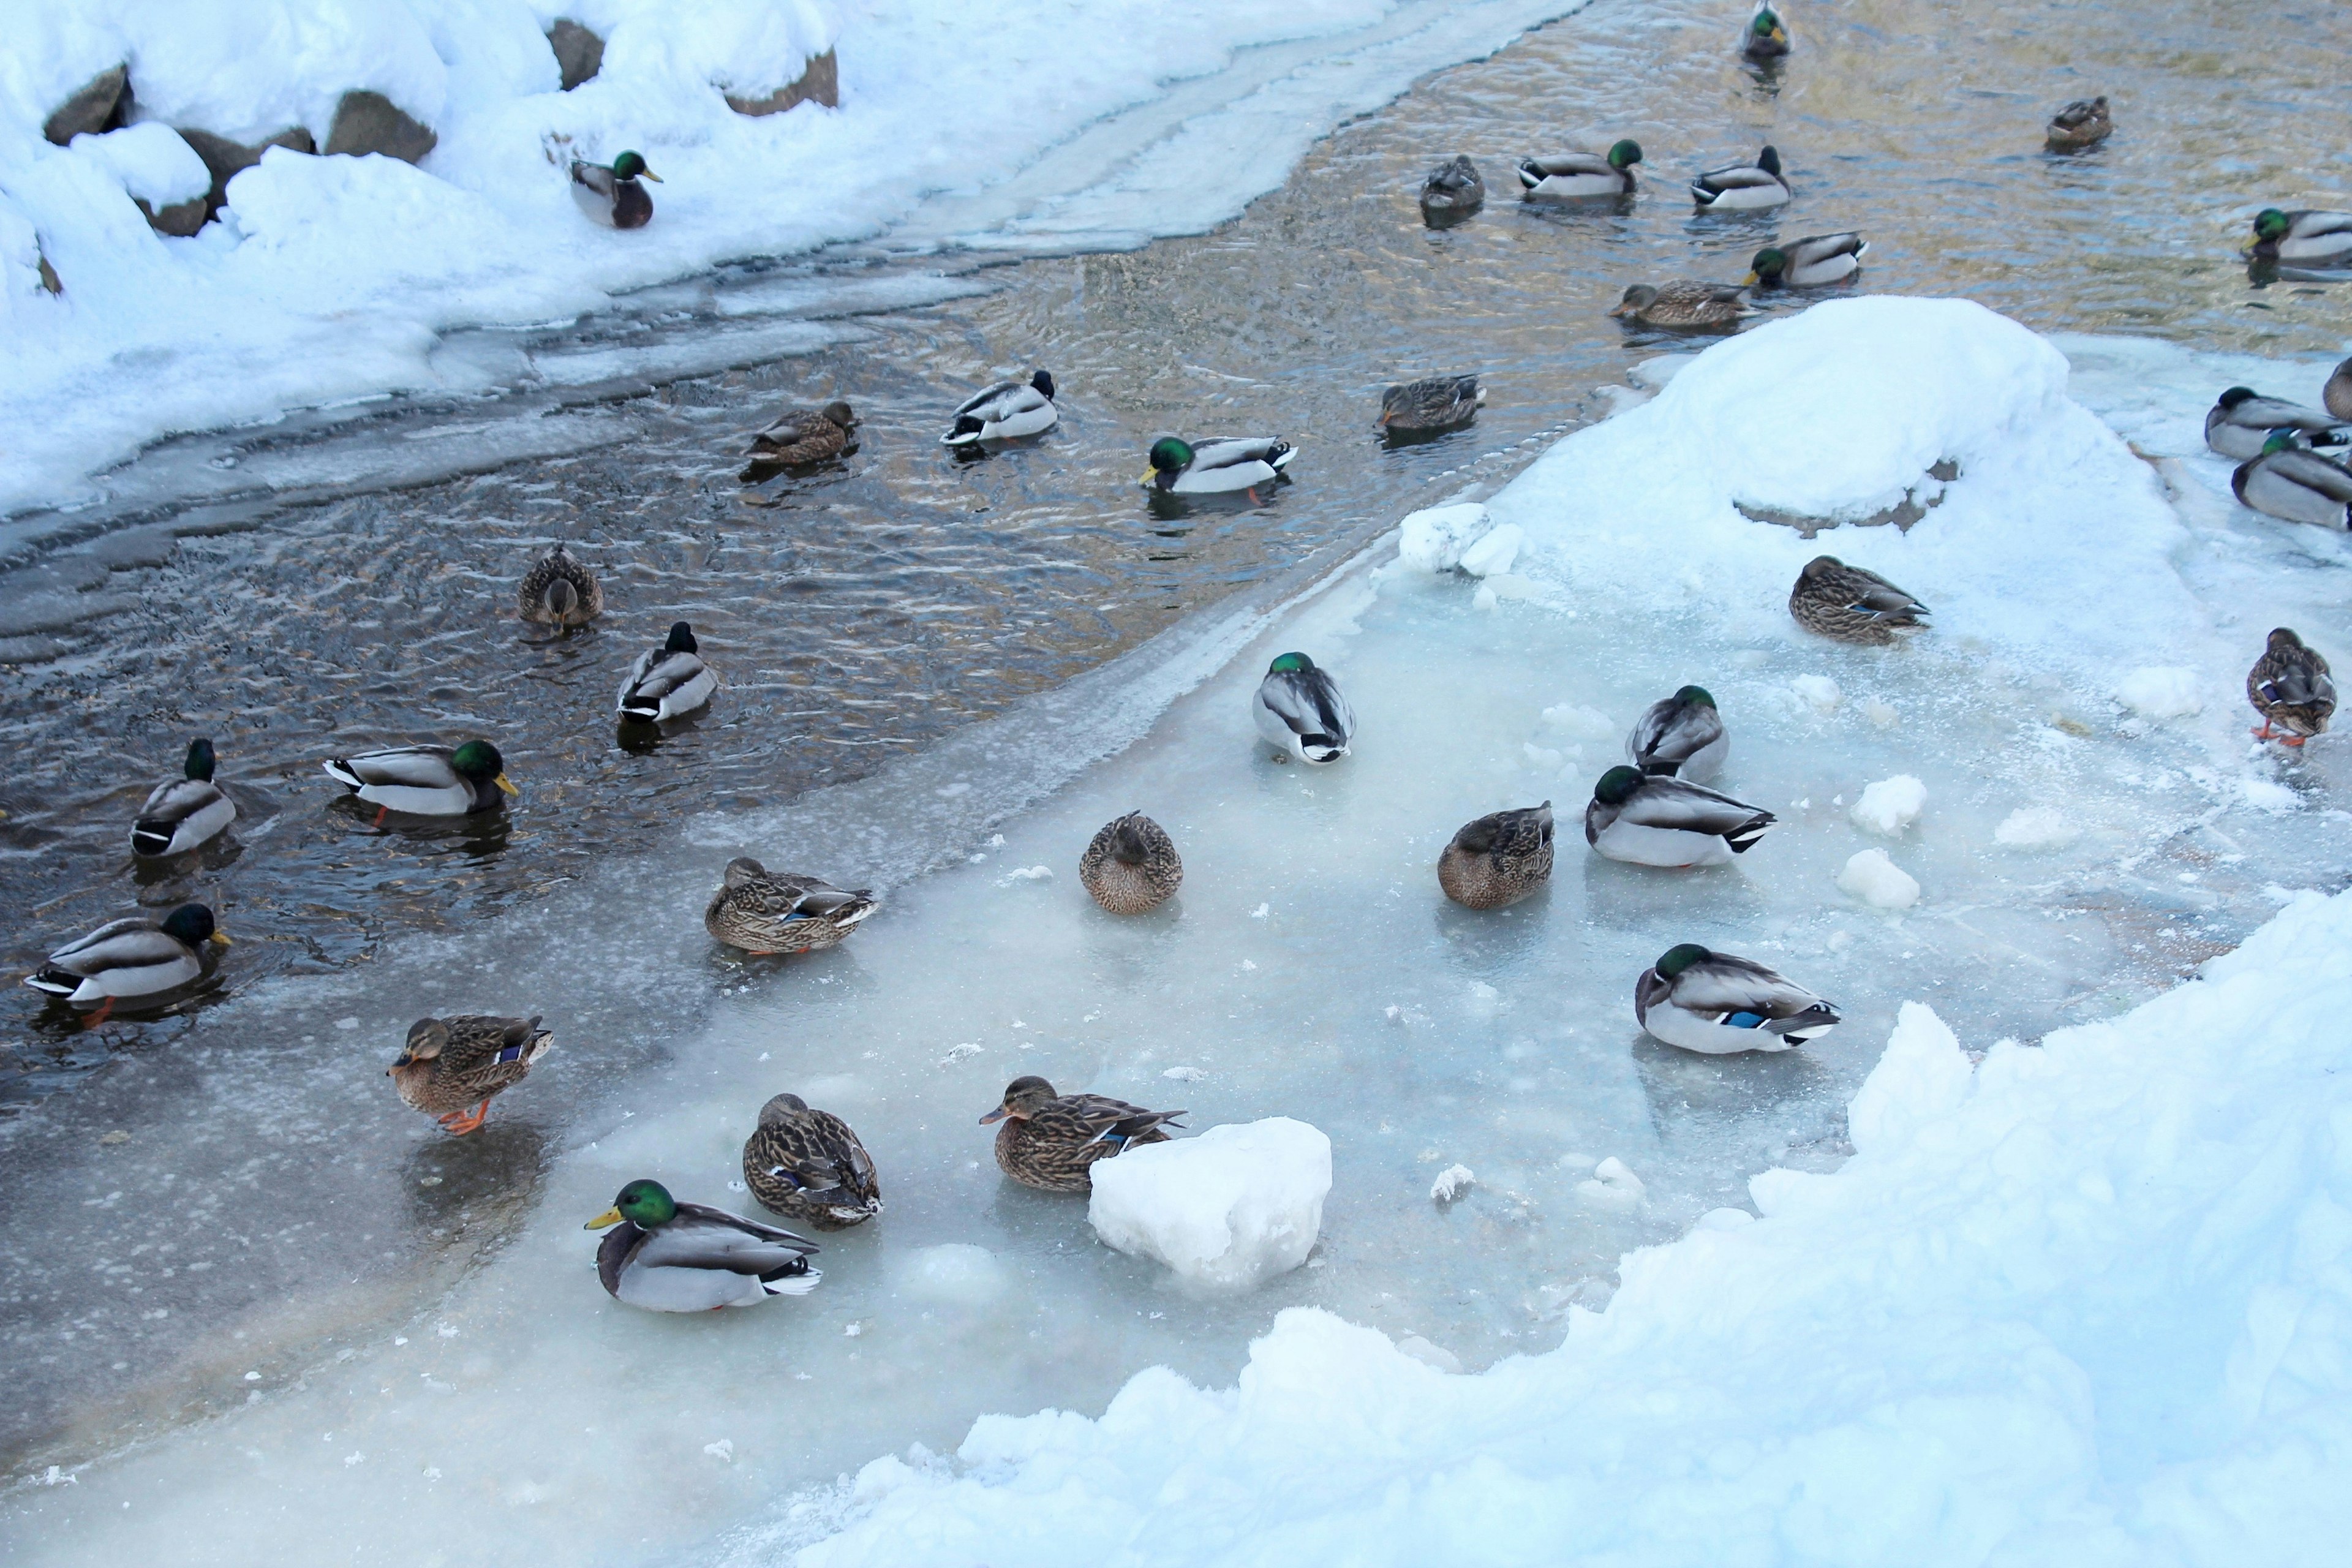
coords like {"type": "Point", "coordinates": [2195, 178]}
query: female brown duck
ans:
{"type": "Point", "coordinates": [1051, 1142]}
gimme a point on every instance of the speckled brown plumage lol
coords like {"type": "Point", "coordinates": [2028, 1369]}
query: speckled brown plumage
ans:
{"type": "Point", "coordinates": [558, 591]}
{"type": "Point", "coordinates": [798, 436]}
{"type": "Point", "coordinates": [1682, 305]}
{"type": "Point", "coordinates": [763, 912]}
{"type": "Point", "coordinates": [1850, 605]}
{"type": "Point", "coordinates": [452, 1067]}
{"type": "Point", "coordinates": [2290, 687]}
{"type": "Point", "coordinates": [2082, 124]}
{"type": "Point", "coordinates": [806, 1164]}
{"type": "Point", "coordinates": [1500, 858]}
{"type": "Point", "coordinates": [1051, 1142]}
{"type": "Point", "coordinates": [1131, 865]}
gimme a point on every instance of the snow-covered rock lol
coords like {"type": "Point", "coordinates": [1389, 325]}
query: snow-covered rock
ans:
{"type": "Point", "coordinates": [2161, 691]}
{"type": "Point", "coordinates": [1878, 881]}
{"type": "Point", "coordinates": [1433, 538]}
{"type": "Point", "coordinates": [1889, 806]}
{"type": "Point", "coordinates": [1230, 1208]}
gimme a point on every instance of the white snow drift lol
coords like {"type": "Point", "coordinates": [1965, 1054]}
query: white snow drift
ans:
{"type": "Point", "coordinates": [1230, 1209]}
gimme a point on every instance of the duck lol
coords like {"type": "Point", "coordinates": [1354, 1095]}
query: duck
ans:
{"type": "Point", "coordinates": [2301, 237]}
{"type": "Point", "coordinates": [1051, 1142]}
{"type": "Point", "coordinates": [1434, 403]}
{"type": "Point", "coordinates": [451, 1068]}
{"type": "Point", "coordinates": [1452, 191]}
{"type": "Point", "coordinates": [1717, 1004]}
{"type": "Point", "coordinates": [2293, 485]}
{"type": "Point", "coordinates": [1130, 865]}
{"type": "Point", "coordinates": [2080, 124]}
{"type": "Point", "coordinates": [1742, 187]}
{"type": "Point", "coordinates": [667, 681]}
{"type": "Point", "coordinates": [135, 956]}
{"type": "Point", "coordinates": [427, 781]}
{"type": "Point", "coordinates": [1847, 604]}
{"type": "Point", "coordinates": [1005, 412]}
{"type": "Point", "coordinates": [1765, 38]}
{"type": "Point", "coordinates": [2290, 687]}
{"type": "Point", "coordinates": [185, 813]}
{"type": "Point", "coordinates": [799, 436]}
{"type": "Point", "coordinates": [1581, 176]}
{"type": "Point", "coordinates": [1680, 736]}
{"type": "Point", "coordinates": [806, 1164]}
{"type": "Point", "coordinates": [612, 193]}
{"type": "Point", "coordinates": [669, 1257]}
{"type": "Point", "coordinates": [1653, 819]}
{"type": "Point", "coordinates": [1216, 466]}
{"type": "Point", "coordinates": [1814, 262]}
{"type": "Point", "coordinates": [1682, 305]}
{"type": "Point", "coordinates": [767, 912]}
{"type": "Point", "coordinates": [1498, 859]}
{"type": "Point", "coordinates": [1301, 711]}
{"type": "Point", "coordinates": [2337, 397]}
{"type": "Point", "coordinates": [2239, 423]}
{"type": "Point", "coordinates": [558, 591]}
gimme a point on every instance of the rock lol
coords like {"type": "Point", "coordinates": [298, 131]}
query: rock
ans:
{"type": "Point", "coordinates": [180, 219]}
{"type": "Point", "coordinates": [1229, 1209]}
{"type": "Point", "coordinates": [370, 122]}
{"type": "Point", "coordinates": [49, 279]}
{"type": "Point", "coordinates": [98, 106]}
{"type": "Point", "coordinates": [227, 159]}
{"type": "Point", "coordinates": [579, 53]}
{"type": "Point", "coordinates": [821, 81]}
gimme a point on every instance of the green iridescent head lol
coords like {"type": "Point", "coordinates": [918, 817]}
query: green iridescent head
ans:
{"type": "Point", "coordinates": [1695, 696]}
{"type": "Point", "coordinates": [200, 760]}
{"type": "Point", "coordinates": [1168, 453]}
{"type": "Point", "coordinates": [631, 166]}
{"type": "Point", "coordinates": [1676, 959]}
{"type": "Point", "coordinates": [1291, 664]}
{"type": "Point", "coordinates": [1617, 786]}
{"type": "Point", "coordinates": [2270, 223]}
{"type": "Point", "coordinates": [1625, 153]}
{"type": "Point", "coordinates": [644, 1203]}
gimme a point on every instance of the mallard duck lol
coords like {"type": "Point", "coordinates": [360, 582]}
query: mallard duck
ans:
{"type": "Point", "coordinates": [668, 680]}
{"type": "Point", "coordinates": [1005, 412]}
{"type": "Point", "coordinates": [1742, 187]}
{"type": "Point", "coordinates": [1434, 403]}
{"type": "Point", "coordinates": [135, 956]}
{"type": "Point", "coordinates": [611, 194]}
{"type": "Point", "coordinates": [669, 1257]}
{"type": "Point", "coordinates": [1217, 465]}
{"type": "Point", "coordinates": [1051, 1142]}
{"type": "Point", "coordinates": [808, 1165]}
{"type": "Point", "coordinates": [427, 781]}
{"type": "Point", "coordinates": [1685, 306]}
{"type": "Point", "coordinates": [1581, 176]}
{"type": "Point", "coordinates": [2290, 687]}
{"type": "Point", "coordinates": [558, 591]}
{"type": "Point", "coordinates": [799, 436]}
{"type": "Point", "coordinates": [2297, 486]}
{"type": "Point", "coordinates": [1497, 859]}
{"type": "Point", "coordinates": [1765, 38]}
{"type": "Point", "coordinates": [1680, 736]}
{"type": "Point", "coordinates": [1130, 865]}
{"type": "Point", "coordinates": [1453, 190]}
{"type": "Point", "coordinates": [1813, 262]}
{"type": "Point", "coordinates": [1651, 819]}
{"type": "Point", "coordinates": [2239, 423]}
{"type": "Point", "coordinates": [1717, 1004]}
{"type": "Point", "coordinates": [2301, 237]}
{"type": "Point", "coordinates": [1849, 605]}
{"type": "Point", "coordinates": [451, 1068]}
{"type": "Point", "coordinates": [187, 812]}
{"type": "Point", "coordinates": [1301, 711]}
{"type": "Point", "coordinates": [766, 913]}
{"type": "Point", "coordinates": [2080, 124]}
{"type": "Point", "coordinates": [2337, 394]}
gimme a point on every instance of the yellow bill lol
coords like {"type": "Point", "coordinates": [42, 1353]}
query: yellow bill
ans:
{"type": "Point", "coordinates": [505, 784]}
{"type": "Point", "coordinates": [610, 1216]}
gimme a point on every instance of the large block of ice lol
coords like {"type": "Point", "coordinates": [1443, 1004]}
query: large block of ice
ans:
{"type": "Point", "coordinates": [1232, 1208]}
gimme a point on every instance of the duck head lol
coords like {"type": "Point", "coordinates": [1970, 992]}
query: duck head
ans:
{"type": "Point", "coordinates": [644, 1203]}
{"type": "Point", "coordinates": [2270, 225]}
{"type": "Point", "coordinates": [631, 166]}
{"type": "Point", "coordinates": [1617, 786]}
{"type": "Point", "coordinates": [838, 412]}
{"type": "Point", "coordinates": [1024, 1098]}
{"type": "Point", "coordinates": [1637, 298]}
{"type": "Point", "coordinates": [1676, 959]}
{"type": "Point", "coordinates": [1768, 160]}
{"type": "Point", "coordinates": [427, 1038]}
{"type": "Point", "coordinates": [480, 761]}
{"type": "Point", "coordinates": [1771, 263]}
{"type": "Point", "coordinates": [1171, 455]}
{"type": "Point", "coordinates": [681, 640]}
{"type": "Point", "coordinates": [1695, 696]}
{"type": "Point", "coordinates": [1625, 155]}
{"type": "Point", "coordinates": [192, 924]}
{"type": "Point", "coordinates": [1043, 381]}
{"type": "Point", "coordinates": [199, 765]}
{"type": "Point", "coordinates": [781, 1109]}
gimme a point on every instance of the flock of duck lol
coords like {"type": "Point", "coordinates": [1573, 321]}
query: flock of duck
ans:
{"type": "Point", "coordinates": [807, 1165]}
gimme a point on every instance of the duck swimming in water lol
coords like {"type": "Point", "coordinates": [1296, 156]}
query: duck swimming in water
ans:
{"type": "Point", "coordinates": [1581, 176]}
{"type": "Point", "coordinates": [185, 813]}
{"type": "Point", "coordinates": [558, 591]}
{"type": "Point", "coordinates": [1742, 187]}
{"type": "Point", "coordinates": [2080, 124]}
{"type": "Point", "coordinates": [2304, 238]}
{"type": "Point", "coordinates": [427, 781]}
{"type": "Point", "coordinates": [1452, 192]}
{"type": "Point", "coordinates": [1217, 466]}
{"type": "Point", "coordinates": [133, 957]}
{"type": "Point", "coordinates": [1682, 305]}
{"type": "Point", "coordinates": [1007, 411]}
{"type": "Point", "coordinates": [1814, 262]}
{"type": "Point", "coordinates": [667, 681]}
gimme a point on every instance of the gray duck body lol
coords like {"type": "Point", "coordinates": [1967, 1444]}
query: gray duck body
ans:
{"type": "Point", "coordinates": [703, 1259]}
{"type": "Point", "coordinates": [1682, 735]}
{"type": "Point", "coordinates": [2296, 486]}
{"type": "Point", "coordinates": [1500, 858]}
{"type": "Point", "coordinates": [1130, 865]}
{"type": "Point", "coordinates": [1454, 189]}
{"type": "Point", "coordinates": [1850, 605]}
{"type": "Point", "coordinates": [185, 813]}
{"type": "Point", "coordinates": [2241, 420]}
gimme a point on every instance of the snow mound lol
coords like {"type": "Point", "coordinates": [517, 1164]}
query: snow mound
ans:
{"type": "Point", "coordinates": [1878, 881]}
{"type": "Point", "coordinates": [1612, 1185]}
{"type": "Point", "coordinates": [2164, 691]}
{"type": "Point", "coordinates": [1890, 805]}
{"type": "Point", "coordinates": [1451, 1184]}
{"type": "Point", "coordinates": [2036, 827]}
{"type": "Point", "coordinates": [1434, 539]}
{"type": "Point", "coordinates": [1232, 1208]}
{"type": "Point", "coordinates": [1818, 692]}
{"type": "Point", "coordinates": [1495, 553]}
{"type": "Point", "coordinates": [2085, 1302]}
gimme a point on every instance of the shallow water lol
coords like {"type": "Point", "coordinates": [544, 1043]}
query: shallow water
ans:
{"type": "Point", "coordinates": [862, 612]}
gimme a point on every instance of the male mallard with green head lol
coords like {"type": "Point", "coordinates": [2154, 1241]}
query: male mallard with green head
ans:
{"type": "Point", "coordinates": [558, 591]}
{"type": "Point", "coordinates": [2302, 238]}
{"type": "Point", "coordinates": [133, 957]}
{"type": "Point", "coordinates": [669, 1257]}
{"type": "Point", "coordinates": [1681, 735]}
{"type": "Point", "coordinates": [2294, 485]}
{"type": "Point", "coordinates": [1653, 819]}
{"type": "Point", "coordinates": [767, 912]}
{"type": "Point", "coordinates": [184, 813]}
{"type": "Point", "coordinates": [1717, 1004]}
{"type": "Point", "coordinates": [451, 1068]}
{"type": "Point", "coordinates": [1814, 262]}
{"type": "Point", "coordinates": [1005, 412]}
{"type": "Point", "coordinates": [1765, 36]}
{"type": "Point", "coordinates": [2291, 688]}
{"type": "Point", "coordinates": [427, 781]}
{"type": "Point", "coordinates": [806, 1164]}
{"type": "Point", "coordinates": [614, 194]}
{"type": "Point", "coordinates": [1301, 711]}
{"type": "Point", "coordinates": [1051, 1142]}
{"type": "Point", "coordinates": [667, 681]}
{"type": "Point", "coordinates": [1130, 865]}
{"type": "Point", "coordinates": [1742, 187]}
{"type": "Point", "coordinates": [1497, 859]}
{"type": "Point", "coordinates": [2239, 423]}
{"type": "Point", "coordinates": [1849, 605]}
{"type": "Point", "coordinates": [1581, 176]}
{"type": "Point", "coordinates": [1216, 467]}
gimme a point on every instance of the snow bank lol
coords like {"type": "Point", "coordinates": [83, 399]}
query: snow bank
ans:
{"type": "Point", "coordinates": [2088, 1302]}
{"type": "Point", "coordinates": [1232, 1208]}
{"type": "Point", "coordinates": [1890, 805]}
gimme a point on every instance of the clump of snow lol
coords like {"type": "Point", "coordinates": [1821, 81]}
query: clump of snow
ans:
{"type": "Point", "coordinates": [1584, 723]}
{"type": "Point", "coordinates": [1451, 1184]}
{"type": "Point", "coordinates": [2036, 827]}
{"type": "Point", "coordinates": [1889, 806]}
{"type": "Point", "coordinates": [2269, 795]}
{"type": "Point", "coordinates": [1026, 874]}
{"type": "Point", "coordinates": [1434, 539]}
{"type": "Point", "coordinates": [1818, 692]}
{"type": "Point", "coordinates": [1882, 714]}
{"type": "Point", "coordinates": [1651, 375]}
{"type": "Point", "coordinates": [1878, 881]}
{"type": "Point", "coordinates": [1493, 554]}
{"type": "Point", "coordinates": [1612, 1185]}
{"type": "Point", "coordinates": [2161, 691]}
{"type": "Point", "coordinates": [1232, 1208]}
{"type": "Point", "coordinates": [150, 160]}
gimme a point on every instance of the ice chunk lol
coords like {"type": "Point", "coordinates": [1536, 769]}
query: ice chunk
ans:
{"type": "Point", "coordinates": [1890, 805]}
{"type": "Point", "coordinates": [1654, 372]}
{"type": "Point", "coordinates": [2267, 795]}
{"type": "Point", "coordinates": [1612, 1185]}
{"type": "Point", "coordinates": [1451, 1184]}
{"type": "Point", "coordinates": [1878, 881]}
{"type": "Point", "coordinates": [722, 1450]}
{"type": "Point", "coordinates": [1232, 1208]}
{"type": "Point", "coordinates": [955, 1272]}
{"type": "Point", "coordinates": [1584, 723]}
{"type": "Point", "coordinates": [2036, 827]}
{"type": "Point", "coordinates": [2161, 691]}
{"type": "Point", "coordinates": [1493, 554]}
{"type": "Point", "coordinates": [1433, 540]}
{"type": "Point", "coordinates": [1818, 692]}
